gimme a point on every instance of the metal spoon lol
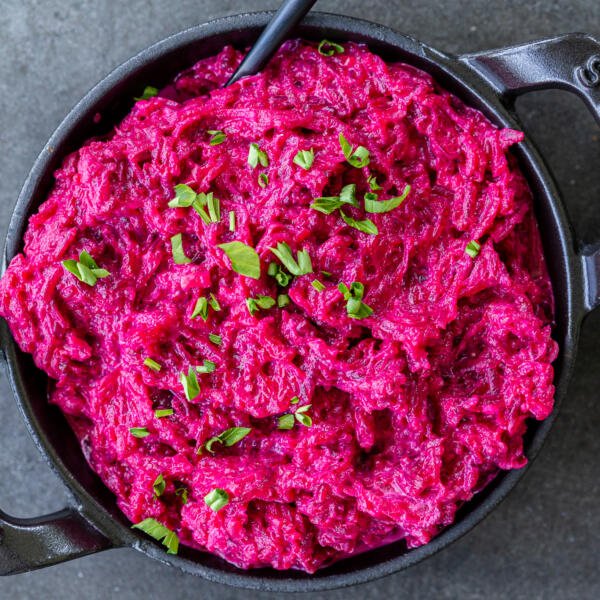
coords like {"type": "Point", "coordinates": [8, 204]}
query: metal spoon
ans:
{"type": "Point", "coordinates": [290, 13]}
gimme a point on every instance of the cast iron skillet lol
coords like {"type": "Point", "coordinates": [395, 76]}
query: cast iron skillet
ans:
{"type": "Point", "coordinates": [489, 81]}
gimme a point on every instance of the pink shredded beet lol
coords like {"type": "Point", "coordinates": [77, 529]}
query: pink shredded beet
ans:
{"type": "Point", "coordinates": [414, 408]}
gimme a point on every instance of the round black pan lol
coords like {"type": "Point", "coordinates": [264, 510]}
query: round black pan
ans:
{"type": "Point", "coordinates": [489, 81]}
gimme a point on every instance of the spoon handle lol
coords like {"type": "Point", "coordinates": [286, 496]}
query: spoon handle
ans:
{"type": "Point", "coordinates": [290, 13]}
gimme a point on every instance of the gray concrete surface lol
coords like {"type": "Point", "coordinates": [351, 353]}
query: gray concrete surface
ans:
{"type": "Point", "coordinates": [544, 541]}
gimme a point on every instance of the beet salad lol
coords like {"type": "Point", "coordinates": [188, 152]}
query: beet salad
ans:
{"type": "Point", "coordinates": [294, 318]}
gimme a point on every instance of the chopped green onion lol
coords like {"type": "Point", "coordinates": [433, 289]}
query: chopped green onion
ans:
{"type": "Point", "coordinates": [160, 533]}
{"type": "Point", "coordinates": [216, 137]}
{"type": "Point", "coordinates": [149, 92]}
{"type": "Point", "coordinates": [283, 300]}
{"type": "Point", "coordinates": [139, 432]}
{"type": "Point", "coordinates": [177, 250]}
{"type": "Point", "coordinates": [229, 437]}
{"type": "Point", "coordinates": [191, 388]}
{"type": "Point", "coordinates": [317, 285]}
{"type": "Point", "coordinates": [152, 364]}
{"type": "Point", "coordinates": [86, 269]}
{"type": "Point", "coordinates": [473, 248]}
{"type": "Point", "coordinates": [305, 158]}
{"type": "Point", "coordinates": [183, 493]}
{"type": "Point", "coordinates": [163, 412]}
{"type": "Point", "coordinates": [216, 499]}
{"type": "Point", "coordinates": [214, 303]}
{"type": "Point", "coordinates": [372, 205]}
{"type": "Point", "coordinates": [372, 181]}
{"type": "Point", "coordinates": [366, 226]}
{"type": "Point", "coordinates": [285, 422]}
{"type": "Point", "coordinates": [263, 180]}
{"type": "Point", "coordinates": [217, 340]}
{"type": "Point", "coordinates": [184, 196]}
{"type": "Point", "coordinates": [358, 157]}
{"type": "Point", "coordinates": [244, 259]}
{"type": "Point", "coordinates": [327, 48]}
{"type": "Point", "coordinates": [159, 485]}
{"type": "Point", "coordinates": [256, 156]}
{"type": "Point", "coordinates": [200, 309]}
{"type": "Point", "coordinates": [303, 264]}
{"type": "Point", "coordinates": [208, 366]}
{"type": "Point", "coordinates": [231, 221]}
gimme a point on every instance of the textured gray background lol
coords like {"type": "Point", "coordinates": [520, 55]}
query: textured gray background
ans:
{"type": "Point", "coordinates": [544, 541]}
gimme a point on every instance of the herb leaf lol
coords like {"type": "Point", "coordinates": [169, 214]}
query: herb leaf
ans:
{"type": "Point", "coordinates": [254, 304]}
{"type": "Point", "coordinates": [183, 493]}
{"type": "Point", "coordinates": [184, 196]}
{"type": "Point", "coordinates": [305, 158]}
{"type": "Point", "coordinates": [372, 205]}
{"type": "Point", "coordinates": [317, 285]}
{"type": "Point", "coordinates": [152, 364]}
{"type": "Point", "coordinates": [244, 259]}
{"type": "Point", "coordinates": [372, 181]}
{"type": "Point", "coordinates": [473, 248]}
{"type": "Point", "coordinates": [300, 267]}
{"type": "Point", "coordinates": [231, 221]}
{"type": "Point", "coordinates": [160, 533]}
{"type": "Point", "coordinates": [163, 412]}
{"type": "Point", "coordinates": [282, 278]}
{"type": "Point", "coordinates": [159, 485]}
{"type": "Point", "coordinates": [256, 156]}
{"type": "Point", "coordinates": [285, 422]}
{"type": "Point", "coordinates": [216, 137]}
{"type": "Point", "coordinates": [149, 92]}
{"type": "Point", "coordinates": [263, 180]}
{"type": "Point", "coordinates": [208, 366]}
{"type": "Point", "coordinates": [191, 388]}
{"type": "Point", "coordinates": [229, 437]}
{"type": "Point", "coordinates": [86, 269]}
{"type": "Point", "coordinates": [217, 340]}
{"type": "Point", "coordinates": [355, 307]}
{"type": "Point", "coordinates": [216, 499]}
{"type": "Point", "coordinates": [139, 432]}
{"type": "Point", "coordinates": [348, 195]}
{"type": "Point", "coordinates": [283, 300]}
{"type": "Point", "coordinates": [366, 226]}
{"type": "Point", "coordinates": [326, 204]}
{"type": "Point", "coordinates": [200, 309]}
{"type": "Point", "coordinates": [178, 252]}
{"type": "Point", "coordinates": [327, 48]}
{"type": "Point", "coordinates": [214, 303]}
{"type": "Point", "coordinates": [359, 157]}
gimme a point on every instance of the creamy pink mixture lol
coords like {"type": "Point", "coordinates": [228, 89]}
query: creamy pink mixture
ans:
{"type": "Point", "coordinates": [414, 407]}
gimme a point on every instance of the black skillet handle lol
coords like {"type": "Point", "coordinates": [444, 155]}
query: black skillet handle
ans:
{"type": "Point", "coordinates": [28, 544]}
{"type": "Point", "coordinates": [570, 62]}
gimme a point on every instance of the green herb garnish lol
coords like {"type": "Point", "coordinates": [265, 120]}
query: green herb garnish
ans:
{"type": "Point", "coordinates": [355, 307]}
{"type": "Point", "coordinates": [372, 181]}
{"type": "Point", "coordinates": [214, 303]}
{"type": "Point", "coordinates": [217, 340]}
{"type": "Point", "coordinates": [229, 437]}
{"type": "Point", "coordinates": [301, 266]}
{"type": "Point", "coordinates": [152, 364]}
{"type": "Point", "coordinates": [301, 416]}
{"type": "Point", "coordinates": [184, 196]}
{"type": "Point", "coordinates": [283, 300]}
{"type": "Point", "coordinates": [159, 485]}
{"type": "Point", "coordinates": [256, 156]}
{"type": "Point", "coordinates": [231, 221]}
{"type": "Point", "coordinates": [191, 388]}
{"type": "Point", "coordinates": [160, 533]}
{"type": "Point", "coordinates": [216, 137]}
{"type": "Point", "coordinates": [285, 422]}
{"type": "Point", "coordinates": [305, 158]}
{"type": "Point", "coordinates": [317, 285]}
{"type": "Point", "coordinates": [244, 259]}
{"type": "Point", "coordinates": [163, 412]}
{"type": "Point", "coordinates": [139, 432]}
{"type": "Point", "coordinates": [329, 204]}
{"type": "Point", "coordinates": [366, 226]}
{"type": "Point", "coordinates": [200, 309]}
{"type": "Point", "coordinates": [216, 499]}
{"type": "Point", "coordinates": [373, 205]}
{"type": "Point", "coordinates": [149, 92]}
{"type": "Point", "coordinates": [348, 195]}
{"type": "Point", "coordinates": [327, 48]}
{"type": "Point", "coordinates": [179, 257]}
{"type": "Point", "coordinates": [295, 400]}
{"type": "Point", "coordinates": [208, 366]}
{"type": "Point", "coordinates": [254, 304]}
{"type": "Point", "coordinates": [86, 269]}
{"type": "Point", "coordinates": [358, 157]}
{"type": "Point", "coordinates": [183, 494]}
{"type": "Point", "coordinates": [473, 248]}
{"type": "Point", "coordinates": [263, 180]}
{"type": "Point", "coordinates": [282, 278]}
